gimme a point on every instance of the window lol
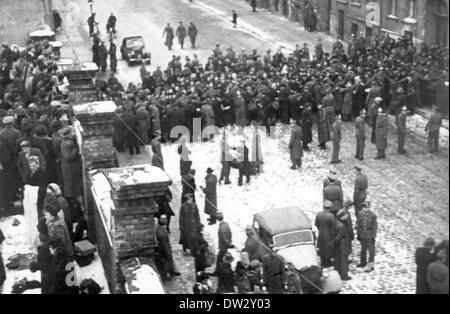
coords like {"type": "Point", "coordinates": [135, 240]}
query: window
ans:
{"type": "Point", "coordinates": [412, 8]}
{"type": "Point", "coordinates": [393, 7]}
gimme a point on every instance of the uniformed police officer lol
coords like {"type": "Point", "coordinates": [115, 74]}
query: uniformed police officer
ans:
{"type": "Point", "coordinates": [401, 129]}
{"type": "Point", "coordinates": [381, 134]}
{"type": "Point", "coordinates": [432, 127]}
{"type": "Point", "coordinates": [360, 133]}
{"type": "Point", "coordinates": [367, 232]}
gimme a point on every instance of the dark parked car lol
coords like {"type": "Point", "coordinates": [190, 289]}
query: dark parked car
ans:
{"type": "Point", "coordinates": [133, 50]}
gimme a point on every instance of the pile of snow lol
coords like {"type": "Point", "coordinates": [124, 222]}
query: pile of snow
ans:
{"type": "Point", "coordinates": [101, 191]}
{"type": "Point", "coordinates": [95, 107]}
{"type": "Point", "coordinates": [140, 174]}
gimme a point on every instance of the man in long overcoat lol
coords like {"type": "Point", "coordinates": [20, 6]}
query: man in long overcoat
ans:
{"type": "Point", "coordinates": [157, 157]}
{"type": "Point", "coordinates": [189, 220]}
{"type": "Point", "coordinates": [131, 140]}
{"type": "Point", "coordinates": [360, 133]}
{"type": "Point", "coordinates": [274, 273]}
{"type": "Point", "coordinates": [336, 140]}
{"type": "Point", "coordinates": [113, 57]}
{"type": "Point", "coordinates": [70, 165]}
{"type": "Point", "coordinates": [424, 256]}
{"type": "Point", "coordinates": [181, 33]}
{"type": "Point", "coordinates": [143, 120]}
{"type": "Point", "coordinates": [433, 126]}
{"type": "Point", "coordinates": [296, 146]}
{"type": "Point", "coordinates": [360, 190]}
{"type": "Point", "coordinates": [333, 192]}
{"type": "Point", "coordinates": [401, 130]}
{"type": "Point", "coordinates": [224, 236]}
{"type": "Point", "coordinates": [102, 56]}
{"type": "Point", "coordinates": [210, 195]}
{"type": "Point", "coordinates": [325, 222]}
{"type": "Point", "coordinates": [381, 134]}
{"type": "Point", "coordinates": [169, 36]}
{"type": "Point", "coordinates": [307, 126]}
{"type": "Point", "coordinates": [163, 257]}
{"type": "Point", "coordinates": [323, 132]}
{"type": "Point", "coordinates": [367, 232]}
{"type": "Point", "coordinates": [192, 32]}
{"type": "Point", "coordinates": [340, 243]}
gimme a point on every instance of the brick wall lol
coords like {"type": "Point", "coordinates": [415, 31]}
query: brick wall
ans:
{"type": "Point", "coordinates": [26, 13]}
{"type": "Point", "coordinates": [134, 230]}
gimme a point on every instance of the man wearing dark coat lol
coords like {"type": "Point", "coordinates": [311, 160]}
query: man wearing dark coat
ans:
{"type": "Point", "coordinates": [164, 207]}
{"type": "Point", "coordinates": [113, 57]}
{"type": "Point", "coordinates": [253, 5]}
{"type": "Point", "coordinates": [181, 33]}
{"type": "Point", "coordinates": [234, 17]}
{"type": "Point", "coordinates": [381, 134]}
{"type": "Point", "coordinates": [433, 125]}
{"type": "Point", "coordinates": [360, 190]}
{"type": "Point", "coordinates": [273, 273]}
{"type": "Point", "coordinates": [323, 132]}
{"type": "Point", "coordinates": [325, 222]}
{"type": "Point", "coordinates": [2, 267]}
{"type": "Point", "coordinates": [225, 274]}
{"type": "Point", "coordinates": [367, 227]}
{"type": "Point", "coordinates": [210, 195]}
{"type": "Point", "coordinates": [307, 126]}
{"type": "Point", "coordinates": [188, 185]}
{"type": "Point", "coordinates": [199, 247]}
{"type": "Point", "coordinates": [70, 165]}
{"type": "Point", "coordinates": [163, 256]}
{"type": "Point", "coordinates": [169, 36]}
{"type": "Point", "coordinates": [95, 52]}
{"type": "Point", "coordinates": [111, 24]}
{"type": "Point", "coordinates": [131, 140]}
{"type": "Point", "coordinates": [401, 130]}
{"type": "Point", "coordinates": [336, 138]}
{"type": "Point", "coordinates": [296, 146]}
{"type": "Point", "coordinates": [424, 256]}
{"type": "Point", "coordinates": [341, 243]}
{"type": "Point", "coordinates": [192, 32]}
{"type": "Point", "coordinates": [244, 165]}
{"type": "Point", "coordinates": [189, 220]}
{"type": "Point", "coordinates": [91, 23]}
{"type": "Point", "coordinates": [333, 192]}
{"type": "Point", "coordinates": [157, 157]}
{"type": "Point", "coordinates": [360, 133]}
{"type": "Point", "coordinates": [102, 56]}
{"type": "Point", "coordinates": [224, 236]}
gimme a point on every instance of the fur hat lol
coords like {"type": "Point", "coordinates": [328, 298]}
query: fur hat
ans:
{"type": "Point", "coordinates": [228, 258]}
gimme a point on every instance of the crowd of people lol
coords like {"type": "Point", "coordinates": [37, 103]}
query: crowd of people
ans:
{"type": "Point", "coordinates": [372, 78]}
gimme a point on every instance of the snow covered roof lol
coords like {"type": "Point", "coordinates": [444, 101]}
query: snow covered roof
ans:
{"type": "Point", "coordinates": [281, 220]}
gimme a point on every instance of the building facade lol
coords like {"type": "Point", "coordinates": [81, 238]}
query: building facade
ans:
{"type": "Point", "coordinates": [421, 20]}
{"type": "Point", "coordinates": [293, 10]}
{"type": "Point", "coordinates": [29, 14]}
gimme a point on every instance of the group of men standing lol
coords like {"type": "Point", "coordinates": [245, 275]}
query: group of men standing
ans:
{"type": "Point", "coordinates": [99, 51]}
{"type": "Point", "coordinates": [336, 227]}
{"type": "Point", "coordinates": [181, 33]}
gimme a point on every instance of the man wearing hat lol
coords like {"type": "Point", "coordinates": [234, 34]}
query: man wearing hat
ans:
{"type": "Point", "coordinates": [401, 129]}
{"type": "Point", "coordinates": [210, 195]}
{"type": "Point", "coordinates": [433, 125]}
{"type": "Point", "coordinates": [373, 116]}
{"type": "Point", "coordinates": [424, 256]}
{"type": "Point", "coordinates": [224, 236]}
{"type": "Point", "coordinates": [336, 140]}
{"type": "Point", "coordinates": [367, 227]}
{"type": "Point", "coordinates": [360, 133]}
{"type": "Point", "coordinates": [225, 274]}
{"type": "Point", "coordinates": [163, 257]}
{"type": "Point", "coordinates": [157, 156]}
{"type": "Point", "coordinates": [332, 178]}
{"type": "Point", "coordinates": [8, 162]}
{"type": "Point", "coordinates": [333, 192]}
{"type": "Point", "coordinates": [341, 243]}
{"type": "Point", "coordinates": [381, 132]}
{"type": "Point", "coordinates": [188, 185]}
{"type": "Point", "coordinates": [189, 220]}
{"type": "Point", "coordinates": [296, 145]}
{"type": "Point", "coordinates": [181, 33]}
{"type": "Point", "coordinates": [360, 189]}
{"type": "Point", "coordinates": [325, 222]}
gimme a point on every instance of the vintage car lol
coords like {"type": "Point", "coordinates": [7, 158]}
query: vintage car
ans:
{"type": "Point", "coordinates": [287, 232]}
{"type": "Point", "coordinates": [133, 50]}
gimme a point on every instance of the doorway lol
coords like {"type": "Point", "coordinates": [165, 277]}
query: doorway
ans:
{"type": "Point", "coordinates": [354, 29]}
{"type": "Point", "coordinates": [436, 22]}
{"type": "Point", "coordinates": [341, 17]}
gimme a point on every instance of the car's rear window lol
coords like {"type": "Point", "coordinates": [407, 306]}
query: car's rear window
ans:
{"type": "Point", "coordinates": [134, 43]}
{"type": "Point", "coordinates": [295, 237]}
